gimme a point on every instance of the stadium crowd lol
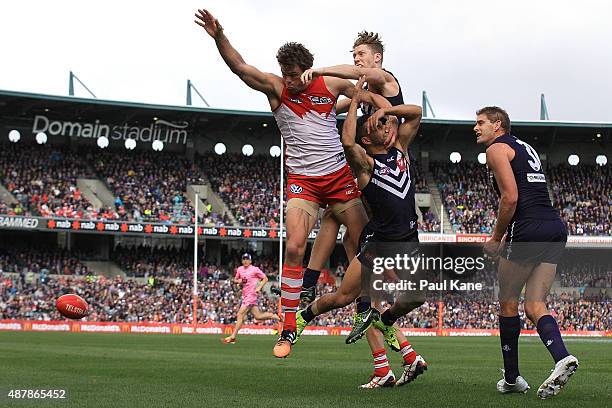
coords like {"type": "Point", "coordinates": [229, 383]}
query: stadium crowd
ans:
{"type": "Point", "coordinates": [44, 182]}
{"type": "Point", "coordinates": [170, 301]}
{"type": "Point", "coordinates": [586, 273]}
{"type": "Point", "coordinates": [583, 195]}
{"type": "Point", "coordinates": [149, 186]}
{"type": "Point", "coordinates": [39, 263]}
{"type": "Point", "coordinates": [248, 185]}
{"type": "Point", "coordinates": [420, 182]}
{"type": "Point", "coordinates": [170, 262]}
{"type": "Point", "coordinates": [467, 195]}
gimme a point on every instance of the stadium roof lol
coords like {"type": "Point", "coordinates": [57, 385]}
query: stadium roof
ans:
{"type": "Point", "coordinates": [58, 101]}
{"type": "Point", "coordinates": [16, 107]}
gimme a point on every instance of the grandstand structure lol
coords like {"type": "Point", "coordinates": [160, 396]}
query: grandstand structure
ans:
{"type": "Point", "coordinates": [105, 188]}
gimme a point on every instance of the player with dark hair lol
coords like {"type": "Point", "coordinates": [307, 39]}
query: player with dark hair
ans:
{"type": "Point", "coordinates": [318, 173]}
{"type": "Point", "coordinates": [253, 280]}
{"type": "Point", "coordinates": [368, 54]}
{"type": "Point", "coordinates": [528, 239]}
{"type": "Point", "coordinates": [383, 175]}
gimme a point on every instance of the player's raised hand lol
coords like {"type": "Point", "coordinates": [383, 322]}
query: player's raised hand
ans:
{"type": "Point", "coordinates": [309, 75]}
{"type": "Point", "coordinates": [372, 122]}
{"type": "Point", "coordinates": [359, 87]}
{"type": "Point", "coordinates": [391, 128]}
{"type": "Point", "coordinates": [208, 22]}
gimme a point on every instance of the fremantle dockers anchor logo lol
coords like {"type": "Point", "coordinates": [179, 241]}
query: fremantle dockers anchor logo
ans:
{"type": "Point", "coordinates": [295, 189]}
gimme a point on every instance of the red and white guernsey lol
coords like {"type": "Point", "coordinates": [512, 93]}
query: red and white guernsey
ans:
{"type": "Point", "coordinates": [307, 122]}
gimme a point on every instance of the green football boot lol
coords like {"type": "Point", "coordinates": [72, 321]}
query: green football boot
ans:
{"type": "Point", "coordinates": [361, 323]}
{"type": "Point", "coordinates": [389, 332]}
{"type": "Point", "coordinates": [300, 325]}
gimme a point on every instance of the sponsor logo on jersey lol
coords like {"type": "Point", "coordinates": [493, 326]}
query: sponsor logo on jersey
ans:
{"type": "Point", "coordinates": [295, 100]}
{"type": "Point", "coordinates": [536, 178]}
{"type": "Point", "coordinates": [320, 100]}
{"type": "Point", "coordinates": [295, 189]}
{"type": "Point", "coordinates": [349, 192]}
{"type": "Point", "coordinates": [390, 159]}
{"type": "Point", "coordinates": [339, 157]}
{"type": "Point", "coordinates": [383, 171]}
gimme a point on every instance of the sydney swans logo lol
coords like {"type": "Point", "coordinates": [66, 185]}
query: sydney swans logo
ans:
{"type": "Point", "coordinates": [167, 132]}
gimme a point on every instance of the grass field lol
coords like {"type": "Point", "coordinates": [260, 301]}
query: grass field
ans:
{"type": "Point", "coordinates": [114, 370]}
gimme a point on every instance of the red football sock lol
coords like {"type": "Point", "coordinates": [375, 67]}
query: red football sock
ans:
{"type": "Point", "coordinates": [381, 364]}
{"type": "Point", "coordinates": [291, 286]}
{"type": "Point", "coordinates": [407, 352]}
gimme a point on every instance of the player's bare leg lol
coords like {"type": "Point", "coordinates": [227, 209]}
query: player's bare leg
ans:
{"type": "Point", "coordinates": [536, 290]}
{"type": "Point", "coordinates": [242, 312]}
{"type": "Point", "coordinates": [352, 214]}
{"type": "Point", "coordinates": [259, 315]}
{"type": "Point", "coordinates": [300, 220]}
{"type": "Point", "coordinates": [346, 293]}
{"type": "Point", "coordinates": [355, 219]}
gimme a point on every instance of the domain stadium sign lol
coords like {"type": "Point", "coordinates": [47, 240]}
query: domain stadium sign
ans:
{"type": "Point", "coordinates": [167, 132]}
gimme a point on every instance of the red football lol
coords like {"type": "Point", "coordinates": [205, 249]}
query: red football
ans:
{"type": "Point", "coordinates": [72, 306]}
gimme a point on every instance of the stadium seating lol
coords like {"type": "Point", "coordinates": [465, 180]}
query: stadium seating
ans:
{"type": "Point", "coordinates": [248, 185]}
{"type": "Point", "coordinates": [467, 195]}
{"type": "Point", "coordinates": [43, 180]}
{"type": "Point", "coordinates": [583, 195]}
{"type": "Point", "coordinates": [585, 273]}
{"type": "Point", "coordinates": [149, 186]}
{"type": "Point", "coordinates": [29, 263]}
{"type": "Point", "coordinates": [170, 262]}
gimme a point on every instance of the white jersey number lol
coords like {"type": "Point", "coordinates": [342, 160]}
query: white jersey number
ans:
{"type": "Point", "coordinates": [535, 164]}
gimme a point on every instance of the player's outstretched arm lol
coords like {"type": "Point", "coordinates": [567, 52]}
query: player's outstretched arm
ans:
{"type": "Point", "coordinates": [373, 76]}
{"type": "Point", "coordinates": [361, 164]}
{"type": "Point", "coordinates": [407, 130]}
{"type": "Point", "coordinates": [267, 83]}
